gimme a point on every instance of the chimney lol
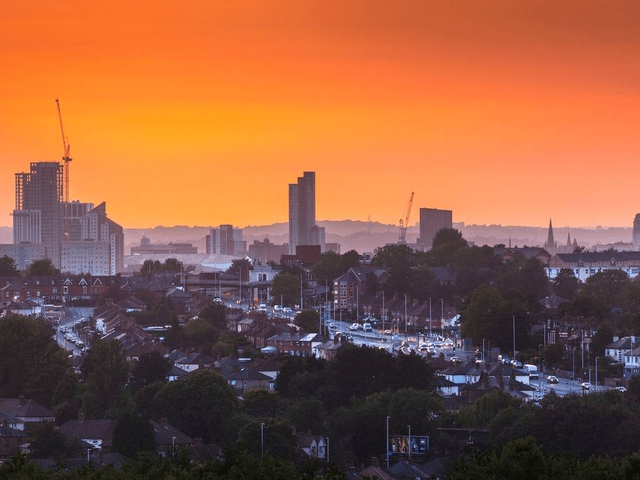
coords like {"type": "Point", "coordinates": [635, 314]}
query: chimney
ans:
{"type": "Point", "coordinates": [21, 400]}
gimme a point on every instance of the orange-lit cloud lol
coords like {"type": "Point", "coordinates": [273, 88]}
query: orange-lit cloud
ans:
{"type": "Point", "coordinates": [201, 113]}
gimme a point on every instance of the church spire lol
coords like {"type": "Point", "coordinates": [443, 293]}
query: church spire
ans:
{"type": "Point", "coordinates": [550, 245]}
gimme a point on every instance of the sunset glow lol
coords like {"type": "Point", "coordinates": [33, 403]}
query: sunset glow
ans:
{"type": "Point", "coordinates": [201, 113]}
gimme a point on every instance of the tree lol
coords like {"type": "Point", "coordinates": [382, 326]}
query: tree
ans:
{"type": "Point", "coordinates": [215, 314]}
{"type": "Point", "coordinates": [150, 367]}
{"type": "Point", "coordinates": [133, 434]}
{"type": "Point", "coordinates": [172, 265]}
{"type": "Point", "coordinates": [197, 404]}
{"type": "Point", "coordinates": [31, 362]}
{"type": "Point", "coordinates": [105, 373]}
{"type": "Point", "coordinates": [261, 403]}
{"type": "Point", "coordinates": [287, 287]}
{"type": "Point", "coordinates": [332, 265]}
{"type": "Point", "coordinates": [606, 288]}
{"type": "Point", "coordinates": [240, 266]}
{"type": "Point", "coordinates": [8, 267]}
{"type": "Point", "coordinates": [488, 314]}
{"type": "Point", "coordinates": [48, 442]}
{"type": "Point", "coordinates": [39, 268]}
{"type": "Point", "coordinates": [566, 285]}
{"type": "Point", "coordinates": [446, 242]}
{"type": "Point", "coordinates": [308, 320]}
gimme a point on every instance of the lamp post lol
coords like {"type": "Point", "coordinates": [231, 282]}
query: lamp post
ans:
{"type": "Point", "coordinates": [430, 319]}
{"type": "Point", "coordinates": [383, 315]}
{"type": "Point", "coordinates": [388, 441]}
{"type": "Point", "coordinates": [357, 303]}
{"type": "Point", "coordinates": [513, 317]}
{"type": "Point", "coordinates": [327, 449]}
{"type": "Point", "coordinates": [596, 374]}
{"type": "Point", "coordinates": [262, 441]}
{"type": "Point", "coordinates": [173, 447]}
{"type": "Point", "coordinates": [405, 318]}
{"type": "Point", "coordinates": [409, 447]}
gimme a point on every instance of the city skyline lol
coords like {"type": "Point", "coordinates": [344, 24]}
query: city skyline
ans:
{"type": "Point", "coordinates": [203, 114]}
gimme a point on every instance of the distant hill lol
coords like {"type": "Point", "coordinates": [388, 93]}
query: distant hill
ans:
{"type": "Point", "coordinates": [366, 236]}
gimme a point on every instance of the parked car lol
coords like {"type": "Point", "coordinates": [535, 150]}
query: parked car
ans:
{"type": "Point", "coordinates": [262, 308]}
{"type": "Point", "coordinates": [367, 327]}
{"type": "Point", "coordinates": [552, 379]}
{"type": "Point", "coordinates": [387, 332]}
{"type": "Point", "coordinates": [287, 311]}
{"type": "Point", "coordinates": [622, 389]}
{"type": "Point", "coordinates": [454, 359]}
{"type": "Point", "coordinates": [333, 326]}
{"type": "Point", "coordinates": [586, 386]}
{"type": "Point", "coordinates": [355, 326]}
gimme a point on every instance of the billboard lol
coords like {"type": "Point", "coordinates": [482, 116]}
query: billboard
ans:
{"type": "Point", "coordinates": [400, 446]}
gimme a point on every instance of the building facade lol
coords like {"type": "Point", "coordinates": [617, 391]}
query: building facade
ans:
{"type": "Point", "coordinates": [37, 217]}
{"type": "Point", "coordinates": [302, 213]}
{"type": "Point", "coordinates": [431, 221]}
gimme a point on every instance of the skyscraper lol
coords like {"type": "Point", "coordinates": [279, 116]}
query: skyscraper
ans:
{"type": "Point", "coordinates": [432, 220]}
{"type": "Point", "coordinates": [37, 217]}
{"type": "Point", "coordinates": [77, 237]}
{"type": "Point", "coordinates": [302, 212]}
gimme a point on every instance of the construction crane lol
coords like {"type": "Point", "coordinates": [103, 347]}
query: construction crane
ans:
{"type": "Point", "coordinates": [66, 158]}
{"type": "Point", "coordinates": [404, 223]}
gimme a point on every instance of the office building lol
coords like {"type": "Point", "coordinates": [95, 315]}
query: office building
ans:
{"type": "Point", "coordinates": [302, 214]}
{"type": "Point", "coordinates": [225, 240]}
{"type": "Point", "coordinates": [432, 220]}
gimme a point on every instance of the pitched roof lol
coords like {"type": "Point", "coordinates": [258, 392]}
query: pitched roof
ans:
{"type": "Point", "coordinates": [91, 429]}
{"type": "Point", "coordinates": [24, 408]}
{"type": "Point", "coordinates": [166, 434]}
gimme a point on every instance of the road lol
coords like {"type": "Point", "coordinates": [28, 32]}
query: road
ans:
{"type": "Point", "coordinates": [66, 336]}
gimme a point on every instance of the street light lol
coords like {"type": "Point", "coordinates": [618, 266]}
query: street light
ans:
{"type": "Point", "coordinates": [388, 441]}
{"type": "Point", "coordinates": [409, 427]}
{"type": "Point", "coordinates": [405, 318]}
{"type": "Point", "coordinates": [596, 374]}
{"type": "Point", "coordinates": [262, 441]}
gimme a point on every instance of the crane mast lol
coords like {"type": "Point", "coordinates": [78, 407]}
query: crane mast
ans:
{"type": "Point", "coordinates": [66, 158]}
{"type": "Point", "coordinates": [404, 222]}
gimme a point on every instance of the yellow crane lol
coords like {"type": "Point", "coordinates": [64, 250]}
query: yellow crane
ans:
{"type": "Point", "coordinates": [404, 222]}
{"type": "Point", "coordinates": [66, 158]}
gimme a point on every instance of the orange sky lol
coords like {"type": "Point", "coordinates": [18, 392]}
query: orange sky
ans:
{"type": "Point", "coordinates": [201, 112]}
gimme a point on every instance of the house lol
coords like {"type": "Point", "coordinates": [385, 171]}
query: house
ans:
{"type": "Point", "coordinates": [632, 363]}
{"type": "Point", "coordinates": [297, 344]}
{"type": "Point", "coordinates": [193, 362]}
{"type": "Point", "coordinates": [249, 379]}
{"type": "Point", "coordinates": [314, 446]}
{"type": "Point", "coordinates": [616, 350]}
{"type": "Point", "coordinates": [169, 439]}
{"type": "Point", "coordinates": [97, 433]}
{"type": "Point", "coordinates": [348, 287]}
{"type": "Point", "coordinates": [10, 441]}
{"type": "Point", "coordinates": [175, 373]}
{"type": "Point", "coordinates": [585, 264]}
{"type": "Point", "coordinates": [445, 387]}
{"type": "Point", "coordinates": [26, 410]}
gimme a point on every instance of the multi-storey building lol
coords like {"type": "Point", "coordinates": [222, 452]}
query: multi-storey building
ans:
{"type": "Point", "coordinates": [431, 221]}
{"type": "Point", "coordinates": [225, 240]}
{"type": "Point", "coordinates": [302, 214]}
{"type": "Point", "coordinates": [37, 217]}
{"type": "Point", "coordinates": [75, 236]}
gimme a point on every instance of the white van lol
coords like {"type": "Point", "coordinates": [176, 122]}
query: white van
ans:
{"type": "Point", "coordinates": [532, 369]}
